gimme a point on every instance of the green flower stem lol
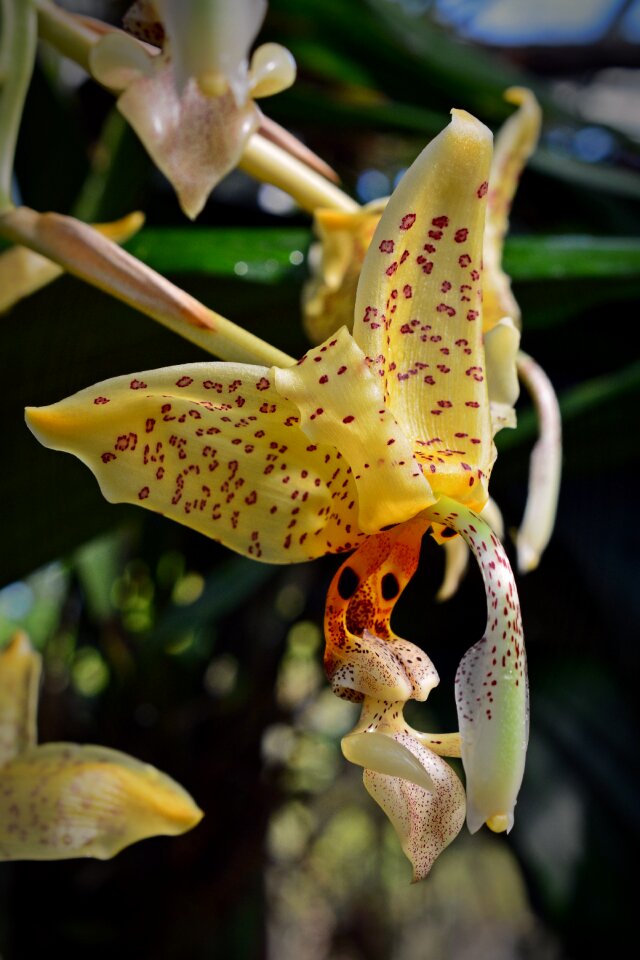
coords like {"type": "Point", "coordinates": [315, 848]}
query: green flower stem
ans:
{"type": "Point", "coordinates": [266, 161]}
{"type": "Point", "coordinates": [93, 258]}
{"type": "Point", "coordinates": [17, 54]}
{"type": "Point", "coordinates": [65, 33]}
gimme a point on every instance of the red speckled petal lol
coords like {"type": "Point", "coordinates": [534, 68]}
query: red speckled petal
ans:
{"type": "Point", "coordinates": [426, 821]}
{"type": "Point", "coordinates": [215, 447]}
{"type": "Point", "coordinates": [340, 403]}
{"type": "Point", "coordinates": [62, 800]}
{"type": "Point", "coordinates": [418, 314]}
{"type": "Point", "coordinates": [19, 678]}
{"type": "Point", "coordinates": [491, 682]}
{"type": "Point", "coordinates": [363, 656]}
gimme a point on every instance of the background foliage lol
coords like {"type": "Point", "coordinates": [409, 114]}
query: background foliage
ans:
{"type": "Point", "coordinates": [162, 644]}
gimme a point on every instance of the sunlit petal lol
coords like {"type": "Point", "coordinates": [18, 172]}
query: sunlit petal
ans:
{"type": "Point", "coordinates": [117, 60]}
{"type": "Point", "coordinates": [363, 656]}
{"type": "Point", "coordinates": [418, 315]}
{"type": "Point", "coordinates": [381, 753]}
{"type": "Point", "coordinates": [545, 467]}
{"type": "Point", "coordinates": [491, 682]}
{"type": "Point", "coordinates": [515, 142]}
{"type": "Point", "coordinates": [61, 800]}
{"type": "Point", "coordinates": [215, 447]}
{"type": "Point", "coordinates": [20, 669]}
{"type": "Point", "coordinates": [456, 552]}
{"type": "Point", "coordinates": [426, 821]}
{"type": "Point", "coordinates": [193, 139]}
{"type": "Point", "coordinates": [340, 403]}
{"type": "Point", "coordinates": [501, 346]}
{"type": "Point", "coordinates": [210, 41]}
{"type": "Point", "coordinates": [272, 70]}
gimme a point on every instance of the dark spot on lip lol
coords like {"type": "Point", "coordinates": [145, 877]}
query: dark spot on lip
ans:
{"type": "Point", "coordinates": [390, 586]}
{"type": "Point", "coordinates": [448, 532]}
{"type": "Point", "coordinates": [348, 583]}
{"type": "Point", "coordinates": [389, 526]}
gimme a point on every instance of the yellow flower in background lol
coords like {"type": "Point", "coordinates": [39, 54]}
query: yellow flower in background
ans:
{"type": "Point", "coordinates": [190, 95]}
{"type": "Point", "coordinates": [61, 800]}
{"type": "Point", "coordinates": [387, 427]}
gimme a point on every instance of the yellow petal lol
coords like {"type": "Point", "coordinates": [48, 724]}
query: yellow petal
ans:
{"type": "Point", "coordinates": [501, 345]}
{"type": "Point", "coordinates": [215, 447]}
{"type": "Point", "coordinates": [272, 70]}
{"type": "Point", "coordinates": [20, 668]}
{"type": "Point", "coordinates": [515, 142]}
{"type": "Point", "coordinates": [61, 800]}
{"type": "Point", "coordinates": [491, 682]}
{"type": "Point", "coordinates": [418, 315]}
{"type": "Point", "coordinates": [545, 467]}
{"type": "Point", "coordinates": [340, 403]}
{"type": "Point", "coordinates": [336, 261]}
{"type": "Point", "coordinates": [426, 821]}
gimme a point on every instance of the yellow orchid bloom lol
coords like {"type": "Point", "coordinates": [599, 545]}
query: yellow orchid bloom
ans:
{"type": "Point", "coordinates": [192, 102]}
{"type": "Point", "coordinates": [344, 237]}
{"type": "Point", "coordinates": [388, 427]}
{"type": "Point", "coordinates": [61, 800]}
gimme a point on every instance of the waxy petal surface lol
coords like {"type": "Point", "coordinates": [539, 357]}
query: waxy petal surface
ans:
{"type": "Point", "coordinates": [501, 345]}
{"type": "Point", "coordinates": [20, 668]}
{"type": "Point", "coordinates": [193, 139]}
{"type": "Point", "coordinates": [217, 448]}
{"type": "Point", "coordinates": [340, 403]}
{"type": "Point", "coordinates": [491, 682]}
{"type": "Point", "coordinates": [363, 656]}
{"type": "Point", "coordinates": [60, 800]}
{"type": "Point", "coordinates": [418, 314]}
{"type": "Point", "coordinates": [545, 467]}
{"type": "Point", "coordinates": [426, 821]}
{"type": "Point", "coordinates": [515, 142]}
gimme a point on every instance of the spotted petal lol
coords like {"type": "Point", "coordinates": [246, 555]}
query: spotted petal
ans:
{"type": "Point", "coordinates": [418, 314]}
{"type": "Point", "coordinates": [217, 448]}
{"type": "Point", "coordinates": [19, 677]}
{"type": "Point", "coordinates": [60, 800]}
{"type": "Point", "coordinates": [491, 682]}
{"type": "Point", "coordinates": [341, 403]}
{"type": "Point", "coordinates": [426, 821]}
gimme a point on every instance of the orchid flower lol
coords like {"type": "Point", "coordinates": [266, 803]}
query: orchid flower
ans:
{"type": "Point", "coordinates": [344, 237]}
{"type": "Point", "coordinates": [192, 102]}
{"type": "Point", "coordinates": [61, 800]}
{"type": "Point", "coordinates": [388, 427]}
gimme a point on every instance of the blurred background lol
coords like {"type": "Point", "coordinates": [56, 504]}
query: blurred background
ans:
{"type": "Point", "coordinates": [159, 642]}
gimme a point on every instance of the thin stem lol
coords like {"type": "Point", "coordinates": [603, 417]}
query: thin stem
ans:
{"type": "Point", "coordinates": [16, 57]}
{"type": "Point", "coordinates": [69, 37]}
{"type": "Point", "coordinates": [83, 252]}
{"type": "Point", "coordinates": [268, 162]}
